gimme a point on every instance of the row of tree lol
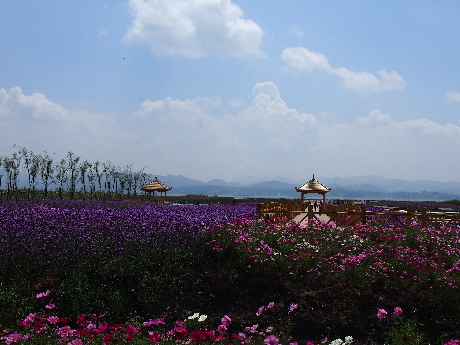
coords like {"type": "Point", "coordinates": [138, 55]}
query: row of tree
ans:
{"type": "Point", "coordinates": [67, 176]}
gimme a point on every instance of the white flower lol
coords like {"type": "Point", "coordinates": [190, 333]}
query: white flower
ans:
{"type": "Point", "coordinates": [337, 342]}
{"type": "Point", "coordinates": [202, 318]}
{"type": "Point", "coordinates": [194, 316]}
{"type": "Point", "coordinates": [348, 340]}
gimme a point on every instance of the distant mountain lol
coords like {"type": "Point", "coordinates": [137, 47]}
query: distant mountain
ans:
{"type": "Point", "coordinates": [355, 187]}
{"type": "Point", "coordinates": [179, 180]}
{"type": "Point", "coordinates": [366, 187]}
{"type": "Point", "coordinates": [271, 185]}
{"type": "Point", "coordinates": [219, 182]}
{"type": "Point", "coordinates": [395, 185]}
{"type": "Point", "coordinates": [247, 180]}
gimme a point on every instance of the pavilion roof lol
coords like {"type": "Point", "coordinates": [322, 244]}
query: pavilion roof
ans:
{"type": "Point", "coordinates": [313, 186]}
{"type": "Point", "coordinates": [155, 186]}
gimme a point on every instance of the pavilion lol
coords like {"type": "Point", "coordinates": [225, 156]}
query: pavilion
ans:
{"type": "Point", "coordinates": [313, 186]}
{"type": "Point", "coordinates": [156, 186]}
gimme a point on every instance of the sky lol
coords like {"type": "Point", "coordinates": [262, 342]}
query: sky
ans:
{"type": "Point", "coordinates": [228, 89]}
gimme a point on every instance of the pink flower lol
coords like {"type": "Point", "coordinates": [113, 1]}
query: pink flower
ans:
{"type": "Point", "coordinates": [260, 310]}
{"type": "Point", "coordinates": [453, 342]}
{"type": "Point", "coordinates": [226, 320]}
{"type": "Point", "coordinates": [180, 332]}
{"type": "Point", "coordinates": [130, 329]}
{"type": "Point", "coordinates": [49, 306]}
{"type": "Point", "coordinates": [397, 311]}
{"type": "Point", "coordinates": [64, 331]}
{"type": "Point", "coordinates": [155, 322]}
{"type": "Point", "coordinates": [222, 329]}
{"type": "Point", "coordinates": [381, 313]}
{"type": "Point", "coordinates": [76, 341]}
{"type": "Point", "coordinates": [253, 329]}
{"type": "Point", "coordinates": [53, 320]}
{"type": "Point", "coordinates": [292, 307]}
{"type": "Point", "coordinates": [197, 336]}
{"type": "Point", "coordinates": [15, 337]}
{"type": "Point", "coordinates": [29, 320]}
{"type": "Point", "coordinates": [154, 337]}
{"type": "Point", "coordinates": [43, 294]}
{"type": "Point", "coordinates": [271, 305]}
{"type": "Point", "coordinates": [271, 340]}
{"type": "Point", "coordinates": [324, 340]}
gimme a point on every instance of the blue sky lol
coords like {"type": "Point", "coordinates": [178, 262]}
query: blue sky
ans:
{"type": "Point", "coordinates": [227, 89]}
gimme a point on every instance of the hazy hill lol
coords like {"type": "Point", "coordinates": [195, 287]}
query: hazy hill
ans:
{"type": "Point", "coordinates": [355, 187]}
{"type": "Point", "coordinates": [359, 187]}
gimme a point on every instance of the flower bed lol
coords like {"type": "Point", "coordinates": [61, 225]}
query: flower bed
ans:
{"type": "Point", "coordinates": [135, 262]}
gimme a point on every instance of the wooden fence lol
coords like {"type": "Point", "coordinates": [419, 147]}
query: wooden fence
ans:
{"type": "Point", "coordinates": [350, 214]}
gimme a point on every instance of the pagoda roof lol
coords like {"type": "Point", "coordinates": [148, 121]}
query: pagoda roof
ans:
{"type": "Point", "coordinates": [313, 186]}
{"type": "Point", "coordinates": [155, 186]}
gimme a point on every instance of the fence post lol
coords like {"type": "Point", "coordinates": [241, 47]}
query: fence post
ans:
{"type": "Point", "coordinates": [409, 215]}
{"type": "Point", "coordinates": [363, 215]}
{"type": "Point", "coordinates": [424, 217]}
{"type": "Point", "coordinates": [310, 211]}
{"type": "Point", "coordinates": [259, 211]}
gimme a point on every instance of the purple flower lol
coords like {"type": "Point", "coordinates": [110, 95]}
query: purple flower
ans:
{"type": "Point", "coordinates": [292, 307]}
{"type": "Point", "coordinates": [43, 294]}
{"type": "Point", "coordinates": [260, 310]}
{"type": "Point", "coordinates": [381, 313]}
{"type": "Point", "coordinates": [226, 320]}
{"type": "Point", "coordinates": [271, 340]}
{"type": "Point", "coordinates": [397, 311]}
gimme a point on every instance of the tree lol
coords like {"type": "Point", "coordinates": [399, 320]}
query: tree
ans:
{"type": "Point", "coordinates": [139, 179]}
{"type": "Point", "coordinates": [32, 163]}
{"type": "Point", "coordinates": [92, 177]}
{"type": "Point", "coordinates": [108, 172]}
{"type": "Point", "coordinates": [11, 166]}
{"type": "Point", "coordinates": [84, 167]}
{"type": "Point", "coordinates": [46, 172]}
{"type": "Point", "coordinates": [72, 168]}
{"type": "Point", "coordinates": [61, 175]}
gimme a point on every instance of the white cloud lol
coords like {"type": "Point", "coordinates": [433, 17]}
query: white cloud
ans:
{"type": "Point", "coordinates": [296, 30]}
{"type": "Point", "coordinates": [14, 102]}
{"type": "Point", "coordinates": [375, 116]}
{"type": "Point", "coordinates": [103, 32]}
{"type": "Point", "coordinates": [194, 28]}
{"type": "Point", "coordinates": [378, 145]}
{"type": "Point", "coordinates": [453, 96]}
{"type": "Point", "coordinates": [33, 120]}
{"type": "Point", "coordinates": [236, 103]}
{"type": "Point", "coordinates": [266, 138]}
{"type": "Point", "coordinates": [304, 60]}
{"type": "Point", "coordinates": [299, 58]}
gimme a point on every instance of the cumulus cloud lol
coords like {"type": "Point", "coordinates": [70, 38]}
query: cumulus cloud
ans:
{"type": "Point", "coordinates": [453, 96]}
{"type": "Point", "coordinates": [194, 28]}
{"type": "Point", "coordinates": [267, 137]}
{"type": "Point", "coordinates": [268, 117]}
{"type": "Point", "coordinates": [35, 120]}
{"type": "Point", "coordinates": [14, 102]}
{"type": "Point", "coordinates": [302, 59]}
{"type": "Point", "coordinates": [378, 145]}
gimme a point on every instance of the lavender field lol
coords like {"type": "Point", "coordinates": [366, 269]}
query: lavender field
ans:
{"type": "Point", "coordinates": [126, 263]}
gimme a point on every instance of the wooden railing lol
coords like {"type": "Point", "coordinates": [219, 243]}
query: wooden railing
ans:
{"type": "Point", "coordinates": [351, 214]}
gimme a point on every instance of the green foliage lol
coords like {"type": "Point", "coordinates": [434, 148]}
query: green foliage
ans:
{"type": "Point", "coordinates": [405, 332]}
